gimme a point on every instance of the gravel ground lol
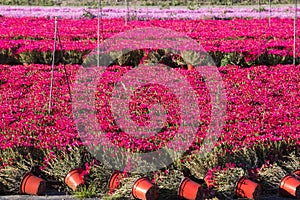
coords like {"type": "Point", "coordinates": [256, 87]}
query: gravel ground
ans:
{"type": "Point", "coordinates": [54, 195]}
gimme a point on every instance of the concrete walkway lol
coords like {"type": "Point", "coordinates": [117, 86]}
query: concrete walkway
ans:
{"type": "Point", "coordinates": [27, 197]}
{"type": "Point", "coordinates": [49, 194]}
{"type": "Point", "coordinates": [52, 194]}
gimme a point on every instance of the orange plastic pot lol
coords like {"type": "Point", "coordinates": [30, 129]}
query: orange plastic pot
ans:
{"type": "Point", "coordinates": [246, 188]}
{"type": "Point", "coordinates": [114, 180]}
{"type": "Point", "coordinates": [190, 190]}
{"type": "Point", "coordinates": [297, 173]}
{"type": "Point", "coordinates": [145, 190]}
{"type": "Point", "coordinates": [74, 179]}
{"type": "Point", "coordinates": [190, 67]}
{"type": "Point", "coordinates": [290, 187]}
{"type": "Point", "coordinates": [32, 184]}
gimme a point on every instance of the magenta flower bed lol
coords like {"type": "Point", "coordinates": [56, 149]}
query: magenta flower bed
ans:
{"type": "Point", "coordinates": [262, 106]}
{"type": "Point", "coordinates": [251, 41]}
{"type": "Point", "coordinates": [262, 100]}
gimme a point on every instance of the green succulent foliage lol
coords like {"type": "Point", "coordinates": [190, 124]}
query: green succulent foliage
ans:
{"type": "Point", "coordinates": [156, 56]}
{"type": "Point", "coordinates": [200, 162]}
{"type": "Point", "coordinates": [197, 57]}
{"type": "Point", "coordinates": [168, 182]}
{"type": "Point", "coordinates": [126, 57]}
{"type": "Point", "coordinates": [245, 156]}
{"type": "Point", "coordinates": [226, 181]}
{"type": "Point", "coordinates": [64, 161]}
{"type": "Point", "coordinates": [270, 177]}
{"type": "Point", "coordinates": [98, 178]}
{"type": "Point", "coordinates": [290, 162]}
{"type": "Point", "coordinates": [191, 57]}
{"type": "Point", "coordinates": [92, 59]}
{"type": "Point", "coordinates": [85, 191]}
{"type": "Point", "coordinates": [125, 189]}
{"type": "Point", "coordinates": [12, 174]}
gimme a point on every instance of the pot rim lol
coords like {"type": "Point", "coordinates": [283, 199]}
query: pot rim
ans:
{"type": "Point", "coordinates": [280, 188]}
{"type": "Point", "coordinates": [111, 178]}
{"type": "Point", "coordinates": [237, 183]}
{"type": "Point", "coordinates": [281, 181]}
{"type": "Point", "coordinates": [297, 176]}
{"type": "Point", "coordinates": [71, 172]}
{"type": "Point", "coordinates": [26, 174]}
{"type": "Point", "coordinates": [140, 179]}
{"type": "Point", "coordinates": [180, 184]}
{"type": "Point", "coordinates": [246, 178]}
{"type": "Point", "coordinates": [291, 175]}
{"type": "Point", "coordinates": [112, 175]}
{"type": "Point", "coordinates": [25, 177]}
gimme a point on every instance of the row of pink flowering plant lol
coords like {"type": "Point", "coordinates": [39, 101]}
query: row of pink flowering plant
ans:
{"type": "Point", "coordinates": [255, 128]}
{"type": "Point", "coordinates": [239, 41]}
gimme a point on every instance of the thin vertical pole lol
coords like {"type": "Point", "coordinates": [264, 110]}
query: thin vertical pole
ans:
{"type": "Point", "coordinates": [135, 11]}
{"type": "Point", "coordinates": [98, 32]}
{"type": "Point", "coordinates": [65, 69]}
{"type": "Point", "coordinates": [259, 8]}
{"type": "Point", "coordinates": [269, 12]}
{"type": "Point", "coordinates": [147, 10]}
{"type": "Point", "coordinates": [52, 70]}
{"type": "Point", "coordinates": [127, 12]}
{"type": "Point", "coordinates": [295, 30]}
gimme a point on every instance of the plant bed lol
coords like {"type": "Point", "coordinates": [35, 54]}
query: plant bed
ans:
{"type": "Point", "coordinates": [17, 178]}
{"type": "Point", "coordinates": [233, 183]}
{"type": "Point", "coordinates": [66, 167]}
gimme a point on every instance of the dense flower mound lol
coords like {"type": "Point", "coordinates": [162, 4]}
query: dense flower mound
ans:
{"type": "Point", "coordinates": [262, 106]}
{"type": "Point", "coordinates": [243, 42]}
{"type": "Point", "coordinates": [24, 97]}
{"type": "Point", "coordinates": [259, 104]}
